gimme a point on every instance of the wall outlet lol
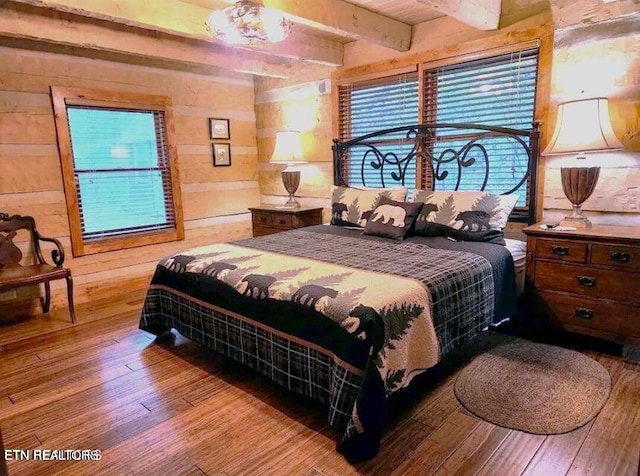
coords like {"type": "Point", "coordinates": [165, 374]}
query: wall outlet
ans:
{"type": "Point", "coordinates": [8, 295]}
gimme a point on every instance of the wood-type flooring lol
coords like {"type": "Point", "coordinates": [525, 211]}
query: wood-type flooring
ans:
{"type": "Point", "coordinates": [178, 409]}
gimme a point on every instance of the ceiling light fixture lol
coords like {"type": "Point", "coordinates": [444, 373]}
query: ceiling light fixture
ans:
{"type": "Point", "coordinates": [247, 22]}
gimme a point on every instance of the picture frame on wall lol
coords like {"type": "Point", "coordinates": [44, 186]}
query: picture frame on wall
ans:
{"type": "Point", "coordinates": [219, 128]}
{"type": "Point", "coordinates": [221, 155]}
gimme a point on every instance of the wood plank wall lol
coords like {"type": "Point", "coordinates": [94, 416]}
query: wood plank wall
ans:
{"type": "Point", "coordinates": [597, 55]}
{"type": "Point", "coordinates": [215, 200]}
{"type": "Point", "coordinates": [444, 37]}
{"type": "Point", "coordinates": [301, 102]}
{"type": "Point", "coordinates": [278, 101]}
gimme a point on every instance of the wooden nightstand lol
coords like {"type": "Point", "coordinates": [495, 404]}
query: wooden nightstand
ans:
{"type": "Point", "coordinates": [267, 219]}
{"type": "Point", "coordinates": [588, 280]}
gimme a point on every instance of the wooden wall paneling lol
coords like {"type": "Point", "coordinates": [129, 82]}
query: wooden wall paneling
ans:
{"type": "Point", "coordinates": [33, 71]}
{"type": "Point", "coordinates": [220, 202]}
{"type": "Point", "coordinates": [16, 174]}
{"type": "Point", "coordinates": [199, 168]}
{"type": "Point", "coordinates": [305, 106]}
{"type": "Point", "coordinates": [195, 131]}
{"type": "Point", "coordinates": [33, 160]}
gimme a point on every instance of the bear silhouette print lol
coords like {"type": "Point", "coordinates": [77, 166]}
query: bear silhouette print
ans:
{"type": "Point", "coordinates": [474, 220]}
{"type": "Point", "coordinates": [309, 294]}
{"type": "Point", "coordinates": [389, 213]}
{"type": "Point", "coordinates": [257, 285]}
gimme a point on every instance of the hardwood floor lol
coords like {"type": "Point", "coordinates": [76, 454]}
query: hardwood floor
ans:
{"type": "Point", "coordinates": [177, 409]}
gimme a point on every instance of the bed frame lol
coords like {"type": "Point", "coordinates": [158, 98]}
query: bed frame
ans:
{"type": "Point", "coordinates": [338, 385]}
{"type": "Point", "coordinates": [445, 167]}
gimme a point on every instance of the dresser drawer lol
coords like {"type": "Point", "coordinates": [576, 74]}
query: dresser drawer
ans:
{"type": "Point", "coordinates": [609, 316]}
{"type": "Point", "coordinates": [612, 255]}
{"type": "Point", "coordinates": [261, 218]}
{"type": "Point", "coordinates": [588, 281]}
{"type": "Point", "coordinates": [281, 220]}
{"type": "Point", "coordinates": [562, 250]}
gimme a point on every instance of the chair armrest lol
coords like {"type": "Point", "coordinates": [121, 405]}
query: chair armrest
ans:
{"type": "Point", "coordinates": [57, 255]}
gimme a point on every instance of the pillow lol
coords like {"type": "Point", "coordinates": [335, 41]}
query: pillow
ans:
{"type": "Point", "coordinates": [467, 211]}
{"type": "Point", "coordinates": [392, 219]}
{"type": "Point", "coordinates": [353, 206]}
{"type": "Point", "coordinates": [436, 229]}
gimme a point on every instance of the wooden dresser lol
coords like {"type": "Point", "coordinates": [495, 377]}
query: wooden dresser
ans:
{"type": "Point", "coordinates": [588, 280]}
{"type": "Point", "coordinates": [267, 219]}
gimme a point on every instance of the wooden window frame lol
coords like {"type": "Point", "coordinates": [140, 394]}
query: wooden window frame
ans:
{"type": "Point", "coordinates": [63, 97]}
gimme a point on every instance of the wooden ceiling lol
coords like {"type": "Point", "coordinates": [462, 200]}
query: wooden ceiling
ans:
{"type": "Point", "coordinates": [173, 33]}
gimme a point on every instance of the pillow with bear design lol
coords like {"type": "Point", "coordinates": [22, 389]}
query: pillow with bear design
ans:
{"type": "Point", "coordinates": [474, 216]}
{"type": "Point", "coordinates": [353, 206]}
{"type": "Point", "coordinates": [392, 219]}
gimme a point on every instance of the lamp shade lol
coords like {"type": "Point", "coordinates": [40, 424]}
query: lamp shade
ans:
{"type": "Point", "coordinates": [288, 149]}
{"type": "Point", "coordinates": [583, 126]}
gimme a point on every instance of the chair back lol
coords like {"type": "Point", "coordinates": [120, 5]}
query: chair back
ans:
{"type": "Point", "coordinates": [10, 254]}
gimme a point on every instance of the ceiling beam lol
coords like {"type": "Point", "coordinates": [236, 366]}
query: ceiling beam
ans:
{"type": "Point", "coordinates": [480, 14]}
{"type": "Point", "coordinates": [57, 28]}
{"type": "Point", "coordinates": [568, 13]}
{"type": "Point", "coordinates": [177, 17]}
{"type": "Point", "coordinates": [347, 20]}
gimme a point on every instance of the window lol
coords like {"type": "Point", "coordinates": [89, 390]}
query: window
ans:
{"type": "Point", "coordinates": [495, 91]}
{"type": "Point", "coordinates": [373, 105]}
{"type": "Point", "coordinates": [119, 171]}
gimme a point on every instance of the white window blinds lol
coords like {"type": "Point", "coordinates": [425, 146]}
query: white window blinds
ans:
{"type": "Point", "coordinates": [122, 171]}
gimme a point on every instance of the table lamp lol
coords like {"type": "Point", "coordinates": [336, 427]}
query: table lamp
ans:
{"type": "Point", "coordinates": [288, 150]}
{"type": "Point", "coordinates": [583, 126]}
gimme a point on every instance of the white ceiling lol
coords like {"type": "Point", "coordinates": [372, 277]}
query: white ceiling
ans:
{"type": "Point", "coordinates": [411, 12]}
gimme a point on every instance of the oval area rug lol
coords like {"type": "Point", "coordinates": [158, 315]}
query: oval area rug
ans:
{"type": "Point", "coordinates": [537, 388]}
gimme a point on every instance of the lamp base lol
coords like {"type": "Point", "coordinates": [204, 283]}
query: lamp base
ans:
{"type": "Point", "coordinates": [577, 222]}
{"type": "Point", "coordinates": [291, 181]}
{"type": "Point", "coordinates": [291, 203]}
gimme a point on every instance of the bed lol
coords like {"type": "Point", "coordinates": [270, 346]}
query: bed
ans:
{"type": "Point", "coordinates": [350, 312]}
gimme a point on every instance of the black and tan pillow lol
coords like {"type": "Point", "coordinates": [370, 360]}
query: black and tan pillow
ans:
{"type": "Point", "coordinates": [474, 216]}
{"type": "Point", "coordinates": [392, 219]}
{"type": "Point", "coordinates": [353, 206]}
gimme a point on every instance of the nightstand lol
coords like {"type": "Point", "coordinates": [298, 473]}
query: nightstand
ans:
{"type": "Point", "coordinates": [267, 219]}
{"type": "Point", "coordinates": [588, 280]}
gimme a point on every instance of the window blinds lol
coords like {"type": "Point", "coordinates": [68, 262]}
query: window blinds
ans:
{"type": "Point", "coordinates": [121, 170]}
{"type": "Point", "coordinates": [369, 106]}
{"type": "Point", "coordinates": [495, 91]}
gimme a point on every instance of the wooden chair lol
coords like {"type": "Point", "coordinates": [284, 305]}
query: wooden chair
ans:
{"type": "Point", "coordinates": [15, 275]}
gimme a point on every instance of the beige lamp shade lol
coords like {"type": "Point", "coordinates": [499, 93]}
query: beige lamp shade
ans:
{"type": "Point", "coordinates": [288, 148]}
{"type": "Point", "coordinates": [583, 126]}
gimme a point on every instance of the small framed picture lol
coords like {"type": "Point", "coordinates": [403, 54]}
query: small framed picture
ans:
{"type": "Point", "coordinates": [221, 155]}
{"type": "Point", "coordinates": [219, 128]}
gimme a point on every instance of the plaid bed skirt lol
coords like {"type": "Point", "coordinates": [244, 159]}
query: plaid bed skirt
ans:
{"type": "Point", "coordinates": [304, 370]}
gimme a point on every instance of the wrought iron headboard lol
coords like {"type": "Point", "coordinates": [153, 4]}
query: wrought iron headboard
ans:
{"type": "Point", "coordinates": [450, 152]}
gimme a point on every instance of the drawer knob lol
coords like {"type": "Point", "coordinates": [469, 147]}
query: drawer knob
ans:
{"type": "Point", "coordinates": [587, 281]}
{"type": "Point", "coordinates": [583, 313]}
{"type": "Point", "coordinates": [263, 219]}
{"type": "Point", "coordinates": [619, 256]}
{"type": "Point", "coordinates": [560, 250]}
{"type": "Point", "coordinates": [282, 221]}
